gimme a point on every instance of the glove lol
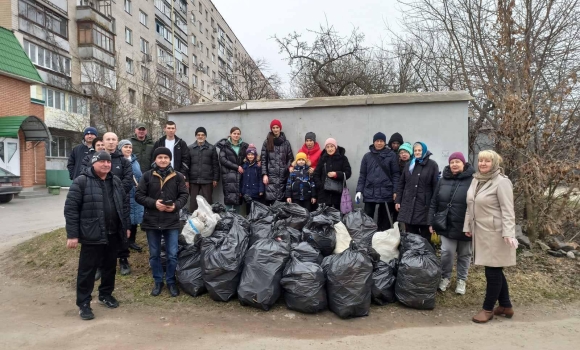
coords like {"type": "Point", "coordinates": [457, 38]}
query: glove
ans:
{"type": "Point", "coordinates": [358, 197]}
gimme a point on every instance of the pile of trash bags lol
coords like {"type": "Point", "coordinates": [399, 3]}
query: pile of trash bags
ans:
{"type": "Point", "coordinates": [188, 272]}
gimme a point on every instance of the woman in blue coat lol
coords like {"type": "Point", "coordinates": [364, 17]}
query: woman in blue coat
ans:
{"type": "Point", "coordinates": [126, 148]}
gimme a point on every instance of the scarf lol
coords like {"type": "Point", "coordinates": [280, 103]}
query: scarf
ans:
{"type": "Point", "coordinates": [484, 178]}
{"type": "Point", "coordinates": [163, 172]}
{"type": "Point", "coordinates": [418, 160]}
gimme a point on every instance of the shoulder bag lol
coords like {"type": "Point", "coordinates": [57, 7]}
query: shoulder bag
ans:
{"type": "Point", "coordinates": [345, 199]}
{"type": "Point", "coordinates": [331, 185]}
{"type": "Point", "coordinates": [440, 218]}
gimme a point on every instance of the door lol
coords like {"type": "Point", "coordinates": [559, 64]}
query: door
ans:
{"type": "Point", "coordinates": [10, 155]}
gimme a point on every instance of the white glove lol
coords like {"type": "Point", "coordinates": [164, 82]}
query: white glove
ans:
{"type": "Point", "coordinates": [512, 242]}
{"type": "Point", "coordinates": [358, 197]}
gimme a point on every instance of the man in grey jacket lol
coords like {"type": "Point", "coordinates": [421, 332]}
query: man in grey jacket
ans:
{"type": "Point", "coordinates": [204, 169]}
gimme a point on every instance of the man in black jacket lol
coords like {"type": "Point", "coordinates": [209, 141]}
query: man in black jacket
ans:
{"type": "Point", "coordinates": [97, 216]}
{"type": "Point", "coordinates": [204, 168]}
{"type": "Point", "coordinates": [178, 148]}
{"type": "Point", "coordinates": [75, 159]}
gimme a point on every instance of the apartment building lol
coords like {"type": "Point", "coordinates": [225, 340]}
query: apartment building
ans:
{"type": "Point", "coordinates": [111, 63]}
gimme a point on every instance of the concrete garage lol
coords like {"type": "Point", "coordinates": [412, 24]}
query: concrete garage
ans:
{"type": "Point", "coordinates": [440, 119]}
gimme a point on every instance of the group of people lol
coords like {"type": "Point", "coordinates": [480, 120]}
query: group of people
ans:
{"type": "Point", "coordinates": [118, 185]}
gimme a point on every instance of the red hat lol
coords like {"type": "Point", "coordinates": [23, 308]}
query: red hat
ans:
{"type": "Point", "coordinates": [275, 122]}
{"type": "Point", "coordinates": [457, 155]}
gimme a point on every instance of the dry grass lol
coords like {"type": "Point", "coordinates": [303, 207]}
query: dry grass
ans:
{"type": "Point", "coordinates": [45, 260]}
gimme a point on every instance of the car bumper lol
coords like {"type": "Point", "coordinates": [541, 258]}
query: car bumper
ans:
{"type": "Point", "coordinates": [10, 189]}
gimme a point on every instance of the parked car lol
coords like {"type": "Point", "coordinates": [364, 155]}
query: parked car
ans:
{"type": "Point", "coordinates": [9, 185]}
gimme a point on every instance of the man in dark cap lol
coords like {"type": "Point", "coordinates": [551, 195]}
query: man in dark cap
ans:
{"type": "Point", "coordinates": [97, 216]}
{"type": "Point", "coordinates": [142, 146]}
{"type": "Point", "coordinates": [75, 159]}
{"type": "Point", "coordinates": [204, 169]}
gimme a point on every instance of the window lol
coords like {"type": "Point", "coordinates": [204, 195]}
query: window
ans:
{"type": "Point", "coordinates": [47, 59]}
{"type": "Point", "coordinates": [183, 6]}
{"type": "Point", "coordinates": [181, 68]}
{"type": "Point", "coordinates": [163, 57]}
{"type": "Point", "coordinates": [143, 18]}
{"type": "Point", "coordinates": [77, 105]}
{"type": "Point", "coordinates": [129, 65]}
{"type": "Point", "coordinates": [193, 39]}
{"type": "Point", "coordinates": [194, 80]}
{"type": "Point", "coordinates": [128, 36]}
{"type": "Point", "coordinates": [89, 34]}
{"type": "Point", "coordinates": [163, 80]}
{"type": "Point", "coordinates": [213, 74]}
{"type": "Point", "coordinates": [55, 99]}
{"type": "Point", "coordinates": [37, 15]}
{"type": "Point", "coordinates": [201, 47]}
{"type": "Point", "coordinates": [207, 52]}
{"type": "Point", "coordinates": [199, 4]}
{"type": "Point", "coordinates": [161, 6]}
{"type": "Point", "coordinates": [58, 147]}
{"type": "Point", "coordinates": [132, 98]}
{"type": "Point", "coordinates": [193, 18]}
{"type": "Point", "coordinates": [206, 16]}
{"type": "Point", "coordinates": [194, 59]}
{"type": "Point", "coordinates": [181, 46]}
{"type": "Point", "coordinates": [144, 73]}
{"type": "Point", "coordinates": [200, 27]}
{"type": "Point", "coordinates": [144, 44]}
{"type": "Point", "coordinates": [207, 70]}
{"type": "Point", "coordinates": [163, 31]}
{"type": "Point", "coordinates": [128, 6]}
{"type": "Point", "coordinates": [206, 33]}
{"type": "Point", "coordinates": [202, 85]}
{"type": "Point", "coordinates": [212, 57]}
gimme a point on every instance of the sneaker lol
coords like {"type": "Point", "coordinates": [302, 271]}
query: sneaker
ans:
{"type": "Point", "coordinates": [109, 301]}
{"type": "Point", "coordinates": [125, 268]}
{"type": "Point", "coordinates": [86, 312]}
{"type": "Point", "coordinates": [460, 289]}
{"type": "Point", "coordinates": [98, 274]}
{"type": "Point", "coordinates": [444, 284]}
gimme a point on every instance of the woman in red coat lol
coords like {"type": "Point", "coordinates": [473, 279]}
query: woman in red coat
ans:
{"type": "Point", "coordinates": [312, 150]}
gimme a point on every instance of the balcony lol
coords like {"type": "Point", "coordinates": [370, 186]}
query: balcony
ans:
{"type": "Point", "coordinates": [96, 53]}
{"type": "Point", "coordinates": [98, 11]}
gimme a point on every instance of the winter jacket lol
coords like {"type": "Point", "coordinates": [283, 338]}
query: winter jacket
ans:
{"type": "Point", "coordinates": [338, 163]}
{"type": "Point", "coordinates": [143, 150]}
{"type": "Point", "coordinates": [136, 209]}
{"type": "Point", "coordinates": [75, 159]}
{"type": "Point", "coordinates": [88, 159]}
{"type": "Point", "coordinates": [151, 188]}
{"type": "Point", "coordinates": [312, 154]}
{"type": "Point", "coordinates": [275, 164]}
{"type": "Point", "coordinates": [442, 196]}
{"type": "Point", "coordinates": [252, 183]}
{"type": "Point", "coordinates": [180, 155]}
{"type": "Point", "coordinates": [230, 161]}
{"type": "Point", "coordinates": [121, 167]}
{"type": "Point", "coordinates": [300, 185]}
{"type": "Point", "coordinates": [490, 217]}
{"type": "Point", "coordinates": [402, 165]}
{"type": "Point", "coordinates": [375, 185]}
{"type": "Point", "coordinates": [84, 208]}
{"type": "Point", "coordinates": [415, 191]}
{"type": "Point", "coordinates": [203, 163]}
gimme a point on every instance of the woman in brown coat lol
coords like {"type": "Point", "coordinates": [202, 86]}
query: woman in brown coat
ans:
{"type": "Point", "coordinates": [490, 220]}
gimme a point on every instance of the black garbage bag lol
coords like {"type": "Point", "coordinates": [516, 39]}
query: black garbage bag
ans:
{"type": "Point", "coordinates": [218, 208]}
{"type": "Point", "coordinates": [293, 235]}
{"type": "Point", "coordinates": [349, 281]}
{"type": "Point", "coordinates": [360, 226]}
{"type": "Point", "coordinates": [292, 214]}
{"type": "Point", "coordinates": [308, 253]}
{"type": "Point", "coordinates": [329, 212]}
{"type": "Point", "coordinates": [188, 272]}
{"type": "Point", "coordinates": [384, 279]}
{"type": "Point", "coordinates": [418, 273]}
{"type": "Point", "coordinates": [263, 266]}
{"type": "Point", "coordinates": [261, 219]}
{"type": "Point", "coordinates": [222, 257]}
{"type": "Point", "coordinates": [304, 285]}
{"type": "Point", "coordinates": [320, 232]}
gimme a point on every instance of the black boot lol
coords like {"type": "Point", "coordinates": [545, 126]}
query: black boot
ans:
{"type": "Point", "coordinates": [135, 247]}
{"type": "Point", "coordinates": [157, 289]}
{"type": "Point", "coordinates": [125, 268]}
{"type": "Point", "coordinates": [173, 290]}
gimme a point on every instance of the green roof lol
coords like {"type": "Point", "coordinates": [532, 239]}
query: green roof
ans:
{"type": "Point", "coordinates": [32, 127]}
{"type": "Point", "coordinates": [13, 60]}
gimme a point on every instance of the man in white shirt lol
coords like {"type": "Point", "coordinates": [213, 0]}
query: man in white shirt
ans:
{"type": "Point", "coordinates": [178, 148]}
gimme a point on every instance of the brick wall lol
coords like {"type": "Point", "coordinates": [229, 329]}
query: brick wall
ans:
{"type": "Point", "coordinates": [17, 102]}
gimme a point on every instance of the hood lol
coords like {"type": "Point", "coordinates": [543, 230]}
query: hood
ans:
{"type": "Point", "coordinates": [468, 171]}
{"type": "Point", "coordinates": [395, 137]}
{"type": "Point", "coordinates": [225, 142]}
{"type": "Point", "coordinates": [341, 152]}
{"type": "Point", "coordinates": [384, 150]}
{"type": "Point", "coordinates": [307, 165]}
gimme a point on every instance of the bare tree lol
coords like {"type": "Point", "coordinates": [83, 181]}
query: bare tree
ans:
{"type": "Point", "coordinates": [249, 80]}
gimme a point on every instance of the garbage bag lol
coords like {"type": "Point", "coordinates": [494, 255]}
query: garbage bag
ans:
{"type": "Point", "coordinates": [386, 243]}
{"type": "Point", "coordinates": [342, 238]}
{"type": "Point", "coordinates": [384, 279]}
{"type": "Point", "coordinates": [292, 214]}
{"type": "Point", "coordinates": [222, 257]}
{"type": "Point", "coordinates": [349, 281]}
{"type": "Point", "coordinates": [294, 236]}
{"type": "Point", "coordinates": [308, 253]}
{"type": "Point", "coordinates": [329, 212]}
{"type": "Point", "coordinates": [263, 267]}
{"type": "Point", "coordinates": [261, 219]}
{"type": "Point", "coordinates": [188, 272]}
{"type": "Point", "coordinates": [418, 273]}
{"type": "Point", "coordinates": [304, 285]}
{"type": "Point", "coordinates": [203, 221]}
{"type": "Point", "coordinates": [320, 232]}
{"type": "Point", "coordinates": [218, 208]}
{"type": "Point", "coordinates": [360, 226]}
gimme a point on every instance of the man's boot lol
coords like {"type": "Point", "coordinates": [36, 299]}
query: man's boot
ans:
{"type": "Point", "coordinates": [157, 289]}
{"type": "Point", "coordinates": [125, 268]}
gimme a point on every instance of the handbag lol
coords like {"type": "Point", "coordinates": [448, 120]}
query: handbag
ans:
{"type": "Point", "coordinates": [345, 200]}
{"type": "Point", "coordinates": [332, 185]}
{"type": "Point", "coordinates": [440, 218]}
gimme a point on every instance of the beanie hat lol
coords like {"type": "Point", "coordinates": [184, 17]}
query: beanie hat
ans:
{"type": "Point", "coordinates": [251, 149]}
{"type": "Point", "coordinates": [396, 137]}
{"type": "Point", "coordinates": [379, 136]}
{"type": "Point", "coordinates": [91, 130]}
{"type": "Point", "coordinates": [162, 150]}
{"type": "Point", "coordinates": [201, 129]}
{"type": "Point", "coordinates": [123, 143]}
{"type": "Point", "coordinates": [406, 147]}
{"type": "Point", "coordinates": [275, 122]}
{"type": "Point", "coordinates": [101, 155]}
{"type": "Point", "coordinates": [301, 155]}
{"type": "Point", "coordinates": [310, 135]}
{"type": "Point", "coordinates": [457, 155]}
{"type": "Point", "coordinates": [331, 141]}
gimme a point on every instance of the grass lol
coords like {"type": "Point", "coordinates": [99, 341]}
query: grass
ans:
{"type": "Point", "coordinates": [46, 260]}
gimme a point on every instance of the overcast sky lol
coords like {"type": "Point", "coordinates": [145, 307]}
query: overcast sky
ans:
{"type": "Point", "coordinates": [255, 21]}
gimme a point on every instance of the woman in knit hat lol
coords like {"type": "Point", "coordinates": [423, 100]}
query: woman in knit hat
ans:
{"type": "Point", "coordinates": [231, 156]}
{"type": "Point", "coordinates": [405, 154]}
{"type": "Point", "coordinates": [451, 195]}
{"type": "Point", "coordinates": [251, 187]}
{"type": "Point", "coordinates": [333, 164]}
{"type": "Point", "coordinates": [276, 159]}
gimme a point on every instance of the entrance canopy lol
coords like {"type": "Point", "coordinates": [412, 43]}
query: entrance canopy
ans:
{"type": "Point", "coordinates": [32, 127]}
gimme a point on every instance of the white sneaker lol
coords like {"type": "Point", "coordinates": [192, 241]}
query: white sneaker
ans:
{"type": "Point", "coordinates": [444, 284]}
{"type": "Point", "coordinates": [460, 289]}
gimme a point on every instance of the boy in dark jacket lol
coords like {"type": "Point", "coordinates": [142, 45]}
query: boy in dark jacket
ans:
{"type": "Point", "coordinates": [300, 188]}
{"type": "Point", "coordinates": [251, 186]}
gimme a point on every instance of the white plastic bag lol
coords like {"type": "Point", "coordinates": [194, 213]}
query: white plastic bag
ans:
{"type": "Point", "coordinates": [202, 221]}
{"type": "Point", "coordinates": [386, 243]}
{"type": "Point", "coordinates": [342, 238]}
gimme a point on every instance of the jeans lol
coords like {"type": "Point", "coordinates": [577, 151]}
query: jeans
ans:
{"type": "Point", "coordinates": [497, 289]}
{"type": "Point", "coordinates": [383, 222]}
{"type": "Point", "coordinates": [93, 256]}
{"type": "Point", "coordinates": [448, 248]}
{"type": "Point", "coordinates": [154, 240]}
